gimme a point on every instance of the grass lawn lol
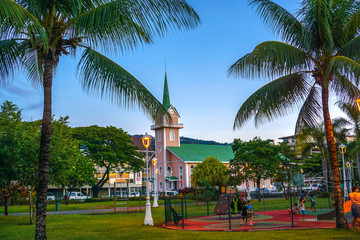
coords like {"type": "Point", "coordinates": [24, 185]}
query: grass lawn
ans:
{"type": "Point", "coordinates": [79, 206]}
{"type": "Point", "coordinates": [130, 226]}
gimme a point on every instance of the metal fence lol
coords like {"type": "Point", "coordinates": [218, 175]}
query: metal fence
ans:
{"type": "Point", "coordinates": [225, 212]}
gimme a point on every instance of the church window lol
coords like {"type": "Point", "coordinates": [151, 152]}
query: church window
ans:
{"type": "Point", "coordinates": [160, 170]}
{"type": "Point", "coordinates": [159, 136]}
{"type": "Point", "coordinates": [160, 186]}
{"type": "Point", "coordinates": [172, 135]}
{"type": "Point", "coordinates": [159, 149]}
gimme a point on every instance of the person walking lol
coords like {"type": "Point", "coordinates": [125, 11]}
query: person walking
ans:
{"type": "Point", "coordinates": [355, 206]}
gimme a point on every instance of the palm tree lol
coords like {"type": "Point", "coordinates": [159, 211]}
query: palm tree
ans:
{"type": "Point", "coordinates": [35, 34]}
{"type": "Point", "coordinates": [318, 54]}
{"type": "Point", "coordinates": [353, 120]}
{"type": "Point", "coordinates": [310, 138]}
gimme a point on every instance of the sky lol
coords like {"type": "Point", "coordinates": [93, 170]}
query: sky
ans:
{"type": "Point", "coordinates": [196, 64]}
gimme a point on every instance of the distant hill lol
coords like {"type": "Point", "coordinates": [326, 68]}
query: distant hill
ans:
{"type": "Point", "coordinates": [187, 140]}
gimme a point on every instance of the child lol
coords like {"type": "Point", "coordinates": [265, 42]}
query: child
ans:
{"type": "Point", "coordinates": [249, 211]}
{"type": "Point", "coordinates": [295, 209]}
{"type": "Point", "coordinates": [244, 213]}
{"type": "Point", "coordinates": [302, 208]}
{"type": "Point", "coordinates": [312, 206]}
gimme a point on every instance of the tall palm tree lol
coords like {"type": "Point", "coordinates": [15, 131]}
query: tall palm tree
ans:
{"type": "Point", "coordinates": [35, 34]}
{"type": "Point", "coordinates": [353, 120]}
{"type": "Point", "coordinates": [313, 137]}
{"type": "Point", "coordinates": [318, 54]}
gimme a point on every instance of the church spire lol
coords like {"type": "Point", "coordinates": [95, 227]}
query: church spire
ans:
{"type": "Point", "coordinates": [166, 97]}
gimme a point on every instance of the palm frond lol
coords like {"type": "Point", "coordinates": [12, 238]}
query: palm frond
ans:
{"type": "Point", "coordinates": [14, 19]}
{"type": "Point", "coordinates": [352, 26]}
{"type": "Point", "coordinates": [351, 49]}
{"type": "Point", "coordinates": [101, 76]}
{"type": "Point", "coordinates": [10, 59]}
{"type": "Point", "coordinates": [311, 111]}
{"type": "Point", "coordinates": [344, 89]}
{"type": "Point", "coordinates": [282, 22]}
{"type": "Point", "coordinates": [273, 100]}
{"type": "Point", "coordinates": [130, 23]}
{"type": "Point", "coordinates": [345, 66]}
{"type": "Point", "coordinates": [351, 111]}
{"type": "Point", "coordinates": [269, 60]}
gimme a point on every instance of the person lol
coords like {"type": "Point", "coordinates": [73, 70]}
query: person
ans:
{"type": "Point", "coordinates": [355, 206]}
{"type": "Point", "coordinates": [302, 195]}
{"type": "Point", "coordinates": [295, 209]}
{"type": "Point", "coordinates": [244, 213]}
{"type": "Point", "coordinates": [249, 210]}
{"type": "Point", "coordinates": [302, 208]}
{"type": "Point", "coordinates": [312, 206]}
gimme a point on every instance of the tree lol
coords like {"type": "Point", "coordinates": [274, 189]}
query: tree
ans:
{"type": "Point", "coordinates": [109, 148]}
{"type": "Point", "coordinates": [36, 33]}
{"type": "Point", "coordinates": [353, 120]}
{"type": "Point", "coordinates": [310, 138]}
{"type": "Point", "coordinates": [10, 142]}
{"type": "Point", "coordinates": [256, 159]}
{"type": "Point", "coordinates": [319, 54]}
{"type": "Point", "coordinates": [210, 171]}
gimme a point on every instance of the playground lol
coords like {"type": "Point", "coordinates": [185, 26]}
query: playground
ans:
{"type": "Point", "coordinates": [211, 213]}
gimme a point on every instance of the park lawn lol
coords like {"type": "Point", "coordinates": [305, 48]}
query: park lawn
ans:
{"type": "Point", "coordinates": [130, 226]}
{"type": "Point", "coordinates": [78, 206]}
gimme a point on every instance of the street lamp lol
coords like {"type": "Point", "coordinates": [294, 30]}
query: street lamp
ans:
{"type": "Point", "coordinates": [156, 171]}
{"type": "Point", "coordinates": [146, 140]}
{"type": "Point", "coordinates": [358, 103]}
{"type": "Point", "coordinates": [248, 185]}
{"type": "Point", "coordinates": [342, 148]}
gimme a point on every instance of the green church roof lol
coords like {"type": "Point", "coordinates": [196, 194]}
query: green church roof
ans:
{"type": "Point", "coordinates": [166, 96]}
{"type": "Point", "coordinates": [198, 152]}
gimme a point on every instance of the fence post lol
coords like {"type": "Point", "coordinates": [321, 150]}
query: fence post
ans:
{"type": "Point", "coordinates": [291, 210]}
{"type": "Point", "coordinates": [207, 204]}
{"type": "Point", "coordinates": [264, 201]}
{"type": "Point", "coordinates": [185, 207]}
{"type": "Point", "coordinates": [182, 212]}
{"type": "Point", "coordinates": [166, 215]}
{"type": "Point", "coordinates": [229, 212]}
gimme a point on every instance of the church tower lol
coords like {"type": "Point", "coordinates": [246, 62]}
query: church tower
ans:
{"type": "Point", "coordinates": [166, 134]}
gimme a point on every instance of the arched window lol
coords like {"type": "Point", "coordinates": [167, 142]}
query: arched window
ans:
{"type": "Point", "coordinates": [160, 186]}
{"type": "Point", "coordinates": [160, 170]}
{"type": "Point", "coordinates": [191, 169]}
{"type": "Point", "coordinates": [181, 176]}
{"type": "Point", "coordinates": [169, 171]}
{"type": "Point", "coordinates": [159, 136]}
{"type": "Point", "coordinates": [172, 135]}
{"type": "Point", "coordinates": [159, 149]}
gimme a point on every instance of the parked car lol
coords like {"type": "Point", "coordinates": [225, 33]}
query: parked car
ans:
{"type": "Point", "coordinates": [171, 193]}
{"type": "Point", "coordinates": [50, 196]}
{"type": "Point", "coordinates": [134, 194]}
{"type": "Point", "coordinates": [75, 195]}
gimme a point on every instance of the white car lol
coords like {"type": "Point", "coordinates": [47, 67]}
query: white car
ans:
{"type": "Point", "coordinates": [75, 195]}
{"type": "Point", "coordinates": [50, 196]}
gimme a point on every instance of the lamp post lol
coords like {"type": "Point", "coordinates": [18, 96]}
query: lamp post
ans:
{"type": "Point", "coordinates": [349, 180]}
{"type": "Point", "coordinates": [156, 171]}
{"type": "Point", "coordinates": [146, 139]}
{"type": "Point", "coordinates": [342, 148]}
{"type": "Point", "coordinates": [248, 185]}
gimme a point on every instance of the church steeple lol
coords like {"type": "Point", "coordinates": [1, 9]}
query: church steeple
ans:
{"type": "Point", "coordinates": [166, 97]}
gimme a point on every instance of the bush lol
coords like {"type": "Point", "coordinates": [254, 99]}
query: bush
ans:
{"type": "Point", "coordinates": [186, 191]}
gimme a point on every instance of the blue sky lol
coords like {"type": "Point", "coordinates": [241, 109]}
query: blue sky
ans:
{"type": "Point", "coordinates": [197, 61]}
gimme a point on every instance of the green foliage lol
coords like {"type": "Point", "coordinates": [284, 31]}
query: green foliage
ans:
{"type": "Point", "coordinates": [255, 159]}
{"type": "Point", "coordinates": [209, 173]}
{"type": "Point", "coordinates": [312, 164]}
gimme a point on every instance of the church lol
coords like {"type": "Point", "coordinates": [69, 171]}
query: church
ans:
{"type": "Point", "coordinates": [175, 161]}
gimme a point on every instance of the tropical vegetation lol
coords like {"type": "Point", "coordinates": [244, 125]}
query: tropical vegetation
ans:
{"type": "Point", "coordinates": [318, 55]}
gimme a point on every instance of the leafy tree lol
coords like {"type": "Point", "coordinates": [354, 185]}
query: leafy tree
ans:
{"type": "Point", "coordinates": [210, 172]}
{"type": "Point", "coordinates": [310, 138]}
{"type": "Point", "coordinates": [319, 54]}
{"type": "Point", "coordinates": [10, 142]}
{"type": "Point", "coordinates": [287, 165]}
{"type": "Point", "coordinates": [353, 120]}
{"type": "Point", "coordinates": [312, 164]}
{"type": "Point", "coordinates": [256, 159]}
{"type": "Point", "coordinates": [109, 148]}
{"type": "Point", "coordinates": [36, 33]}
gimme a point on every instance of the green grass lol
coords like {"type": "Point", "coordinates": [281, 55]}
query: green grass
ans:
{"type": "Point", "coordinates": [78, 206]}
{"type": "Point", "coordinates": [130, 226]}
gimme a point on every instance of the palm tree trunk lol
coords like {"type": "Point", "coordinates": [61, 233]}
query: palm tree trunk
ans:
{"type": "Point", "coordinates": [358, 163]}
{"type": "Point", "coordinates": [340, 217]}
{"type": "Point", "coordinates": [44, 156]}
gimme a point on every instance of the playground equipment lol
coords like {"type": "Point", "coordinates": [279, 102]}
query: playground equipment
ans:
{"type": "Point", "coordinates": [222, 206]}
